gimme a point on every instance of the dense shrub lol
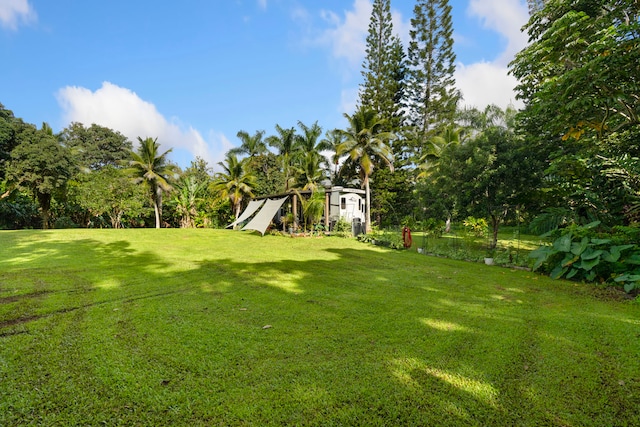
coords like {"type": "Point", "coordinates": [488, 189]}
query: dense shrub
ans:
{"type": "Point", "coordinates": [582, 253]}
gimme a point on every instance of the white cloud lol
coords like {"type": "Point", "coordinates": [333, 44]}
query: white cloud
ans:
{"type": "Point", "coordinates": [347, 37]}
{"type": "Point", "coordinates": [13, 12]}
{"type": "Point", "coordinates": [123, 110]}
{"type": "Point", "coordinates": [262, 4]}
{"type": "Point", "coordinates": [484, 83]}
{"type": "Point", "coordinates": [506, 18]}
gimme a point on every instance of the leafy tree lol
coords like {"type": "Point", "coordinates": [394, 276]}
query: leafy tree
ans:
{"type": "Point", "coordinates": [488, 175]}
{"type": "Point", "coordinates": [365, 141]}
{"type": "Point", "coordinates": [383, 67]}
{"type": "Point", "coordinates": [234, 182]}
{"type": "Point", "coordinates": [392, 193]}
{"type": "Point", "coordinates": [199, 169]}
{"type": "Point", "coordinates": [309, 164]}
{"type": "Point", "coordinates": [252, 145]}
{"type": "Point", "coordinates": [578, 80]}
{"type": "Point", "coordinates": [40, 165]}
{"type": "Point", "coordinates": [10, 126]}
{"type": "Point", "coordinates": [578, 72]}
{"type": "Point", "coordinates": [432, 96]}
{"type": "Point", "coordinates": [18, 211]}
{"type": "Point", "coordinates": [269, 177]}
{"type": "Point", "coordinates": [108, 191]}
{"type": "Point", "coordinates": [152, 169]}
{"type": "Point", "coordinates": [96, 146]}
{"type": "Point", "coordinates": [286, 143]}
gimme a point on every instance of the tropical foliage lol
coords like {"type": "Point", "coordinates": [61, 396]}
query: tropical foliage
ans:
{"type": "Point", "coordinates": [152, 169]}
{"type": "Point", "coordinates": [365, 142]}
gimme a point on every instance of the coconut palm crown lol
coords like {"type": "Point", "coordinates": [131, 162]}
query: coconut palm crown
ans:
{"type": "Point", "coordinates": [365, 141]}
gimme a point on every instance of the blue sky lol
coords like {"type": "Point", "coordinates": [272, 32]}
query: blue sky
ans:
{"type": "Point", "coordinates": [193, 73]}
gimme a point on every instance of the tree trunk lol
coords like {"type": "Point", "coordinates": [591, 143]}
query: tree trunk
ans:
{"type": "Point", "coordinates": [237, 209]}
{"type": "Point", "coordinates": [368, 228]}
{"type": "Point", "coordinates": [44, 200]}
{"type": "Point", "coordinates": [495, 224]}
{"type": "Point", "coordinates": [157, 212]}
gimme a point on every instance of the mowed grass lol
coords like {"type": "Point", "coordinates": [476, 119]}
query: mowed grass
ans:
{"type": "Point", "coordinates": [210, 327]}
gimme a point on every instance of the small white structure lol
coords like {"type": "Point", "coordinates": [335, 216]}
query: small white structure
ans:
{"type": "Point", "coordinates": [347, 204]}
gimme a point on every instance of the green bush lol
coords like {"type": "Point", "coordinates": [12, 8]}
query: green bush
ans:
{"type": "Point", "coordinates": [581, 254]}
{"type": "Point", "coordinates": [477, 227]}
{"type": "Point", "coordinates": [342, 228]}
{"type": "Point", "coordinates": [432, 227]}
{"type": "Point", "coordinates": [388, 239]}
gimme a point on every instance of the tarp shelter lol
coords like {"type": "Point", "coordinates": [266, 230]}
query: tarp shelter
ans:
{"type": "Point", "coordinates": [263, 218]}
{"type": "Point", "coordinates": [250, 210]}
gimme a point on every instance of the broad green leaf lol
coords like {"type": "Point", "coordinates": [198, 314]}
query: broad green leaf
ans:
{"type": "Point", "coordinates": [628, 287]}
{"type": "Point", "coordinates": [572, 273]}
{"type": "Point", "coordinates": [578, 248]}
{"type": "Point", "coordinates": [558, 272]}
{"type": "Point", "coordinates": [569, 260]}
{"type": "Point", "coordinates": [633, 259]}
{"type": "Point", "coordinates": [600, 241]}
{"type": "Point", "coordinates": [627, 277]}
{"type": "Point", "coordinates": [541, 255]}
{"type": "Point", "coordinates": [588, 264]}
{"type": "Point", "coordinates": [591, 254]}
{"type": "Point", "coordinates": [612, 256]}
{"type": "Point", "coordinates": [593, 224]}
{"type": "Point", "coordinates": [563, 244]}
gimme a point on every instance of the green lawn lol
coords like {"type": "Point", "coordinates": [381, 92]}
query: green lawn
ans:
{"type": "Point", "coordinates": [512, 248]}
{"type": "Point", "coordinates": [210, 327]}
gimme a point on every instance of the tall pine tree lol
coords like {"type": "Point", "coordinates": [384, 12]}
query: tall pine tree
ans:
{"type": "Point", "coordinates": [383, 68]}
{"type": "Point", "coordinates": [432, 95]}
{"type": "Point", "coordinates": [384, 72]}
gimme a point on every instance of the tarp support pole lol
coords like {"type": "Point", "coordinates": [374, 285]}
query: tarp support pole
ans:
{"type": "Point", "coordinates": [326, 210]}
{"type": "Point", "coordinates": [295, 212]}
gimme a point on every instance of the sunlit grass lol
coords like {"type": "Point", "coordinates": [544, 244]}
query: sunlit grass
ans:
{"type": "Point", "coordinates": [211, 327]}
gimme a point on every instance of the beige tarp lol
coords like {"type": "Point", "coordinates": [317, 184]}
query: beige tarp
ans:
{"type": "Point", "coordinates": [262, 219]}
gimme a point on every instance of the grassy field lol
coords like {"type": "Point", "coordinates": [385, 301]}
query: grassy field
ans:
{"type": "Point", "coordinates": [512, 248]}
{"type": "Point", "coordinates": [210, 327]}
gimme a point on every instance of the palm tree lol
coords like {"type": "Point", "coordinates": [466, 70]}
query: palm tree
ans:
{"type": "Point", "coordinates": [252, 145]}
{"type": "Point", "coordinates": [433, 151]}
{"type": "Point", "coordinates": [307, 142]}
{"type": "Point", "coordinates": [310, 172]}
{"type": "Point", "coordinates": [235, 182]}
{"type": "Point", "coordinates": [331, 143]}
{"type": "Point", "coordinates": [366, 142]}
{"type": "Point", "coordinates": [312, 207]}
{"type": "Point", "coordinates": [286, 144]}
{"type": "Point", "coordinates": [152, 170]}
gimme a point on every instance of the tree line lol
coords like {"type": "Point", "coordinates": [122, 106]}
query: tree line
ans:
{"type": "Point", "coordinates": [570, 156]}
